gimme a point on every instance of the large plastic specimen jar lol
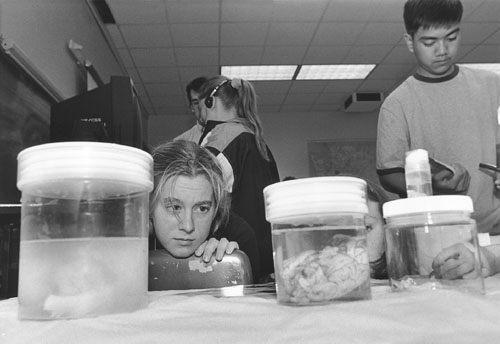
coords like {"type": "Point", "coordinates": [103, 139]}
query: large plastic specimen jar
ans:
{"type": "Point", "coordinates": [84, 217]}
{"type": "Point", "coordinates": [319, 239]}
{"type": "Point", "coordinates": [421, 228]}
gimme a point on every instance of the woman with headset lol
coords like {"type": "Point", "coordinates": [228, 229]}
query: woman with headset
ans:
{"type": "Point", "coordinates": [233, 132]}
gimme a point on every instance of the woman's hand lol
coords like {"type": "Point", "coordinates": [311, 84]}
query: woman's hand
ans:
{"type": "Point", "coordinates": [219, 247]}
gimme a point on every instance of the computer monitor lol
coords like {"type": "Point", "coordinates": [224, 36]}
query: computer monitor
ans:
{"type": "Point", "coordinates": [108, 113]}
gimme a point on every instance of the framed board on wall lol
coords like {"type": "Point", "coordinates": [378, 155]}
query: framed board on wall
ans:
{"type": "Point", "coordinates": [24, 122]}
{"type": "Point", "coordinates": [334, 157]}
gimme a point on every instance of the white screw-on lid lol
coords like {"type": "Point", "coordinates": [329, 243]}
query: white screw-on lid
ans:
{"type": "Point", "coordinates": [315, 196]}
{"type": "Point", "coordinates": [55, 163]}
{"type": "Point", "coordinates": [417, 156]}
{"type": "Point", "coordinates": [415, 205]}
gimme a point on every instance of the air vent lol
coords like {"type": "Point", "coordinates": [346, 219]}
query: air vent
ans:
{"type": "Point", "coordinates": [363, 102]}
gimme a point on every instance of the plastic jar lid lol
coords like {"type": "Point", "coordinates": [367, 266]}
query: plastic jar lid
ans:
{"type": "Point", "coordinates": [84, 160]}
{"type": "Point", "coordinates": [315, 196]}
{"type": "Point", "coordinates": [415, 205]}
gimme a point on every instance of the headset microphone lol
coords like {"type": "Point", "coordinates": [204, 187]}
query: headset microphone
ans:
{"type": "Point", "coordinates": [209, 101]}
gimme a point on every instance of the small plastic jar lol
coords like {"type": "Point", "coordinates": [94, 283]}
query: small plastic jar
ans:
{"type": "Point", "coordinates": [420, 228]}
{"type": "Point", "coordinates": [319, 239]}
{"type": "Point", "coordinates": [84, 234]}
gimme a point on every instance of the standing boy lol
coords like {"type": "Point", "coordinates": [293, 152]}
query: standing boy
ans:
{"type": "Point", "coordinates": [449, 111]}
{"type": "Point", "coordinates": [193, 92]}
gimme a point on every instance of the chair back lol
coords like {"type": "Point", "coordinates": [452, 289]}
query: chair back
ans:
{"type": "Point", "coordinates": [170, 273]}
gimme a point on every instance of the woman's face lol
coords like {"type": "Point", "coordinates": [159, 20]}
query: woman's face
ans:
{"type": "Point", "coordinates": [375, 224]}
{"type": "Point", "coordinates": [184, 214]}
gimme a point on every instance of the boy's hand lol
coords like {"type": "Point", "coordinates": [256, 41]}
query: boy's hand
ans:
{"type": "Point", "coordinates": [458, 261]}
{"type": "Point", "coordinates": [446, 182]}
{"type": "Point", "coordinates": [454, 262]}
{"type": "Point", "coordinates": [219, 247]}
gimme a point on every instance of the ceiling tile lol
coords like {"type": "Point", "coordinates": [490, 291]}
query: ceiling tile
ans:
{"type": "Point", "coordinates": [348, 10]}
{"type": "Point", "coordinates": [271, 87]}
{"type": "Point", "coordinates": [482, 11]}
{"type": "Point", "coordinates": [153, 57]}
{"type": "Point", "coordinates": [237, 34]}
{"type": "Point", "coordinates": [483, 53]}
{"type": "Point", "coordinates": [381, 33]}
{"type": "Point", "coordinates": [197, 56]}
{"type": "Point", "coordinates": [193, 11]}
{"type": "Point", "coordinates": [290, 33]}
{"type": "Point", "coordinates": [195, 35]}
{"type": "Point", "coordinates": [399, 54]}
{"type": "Point", "coordinates": [243, 11]}
{"type": "Point", "coordinates": [326, 107]}
{"type": "Point", "coordinates": [308, 86]}
{"type": "Point", "coordinates": [470, 6]}
{"type": "Point", "coordinates": [241, 55]}
{"type": "Point", "coordinates": [138, 12]}
{"type": "Point", "coordinates": [332, 97]}
{"type": "Point", "coordinates": [326, 54]}
{"type": "Point", "coordinates": [494, 38]}
{"type": "Point", "coordinates": [387, 11]}
{"type": "Point", "coordinates": [189, 73]}
{"type": "Point", "coordinates": [378, 85]}
{"type": "Point", "coordinates": [283, 55]}
{"type": "Point", "coordinates": [295, 108]}
{"type": "Point", "coordinates": [367, 54]}
{"type": "Point", "coordinates": [141, 36]}
{"type": "Point", "coordinates": [337, 33]}
{"type": "Point", "coordinates": [298, 11]}
{"type": "Point", "coordinates": [158, 74]}
{"type": "Point", "coordinates": [391, 71]}
{"type": "Point", "coordinates": [270, 98]}
{"type": "Point", "coordinates": [342, 85]}
{"type": "Point", "coordinates": [465, 49]}
{"type": "Point", "coordinates": [470, 31]}
{"type": "Point", "coordinates": [301, 98]}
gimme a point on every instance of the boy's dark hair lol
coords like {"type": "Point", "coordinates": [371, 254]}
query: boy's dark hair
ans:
{"type": "Point", "coordinates": [431, 13]}
{"type": "Point", "coordinates": [195, 85]}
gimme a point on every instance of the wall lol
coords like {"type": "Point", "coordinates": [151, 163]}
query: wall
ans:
{"type": "Point", "coordinates": [286, 133]}
{"type": "Point", "coordinates": [43, 29]}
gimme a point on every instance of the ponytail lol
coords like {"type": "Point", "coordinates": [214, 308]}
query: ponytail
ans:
{"type": "Point", "coordinates": [241, 95]}
{"type": "Point", "coordinates": [247, 110]}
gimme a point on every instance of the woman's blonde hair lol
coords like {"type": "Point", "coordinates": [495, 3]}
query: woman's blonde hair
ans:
{"type": "Point", "coordinates": [184, 158]}
{"type": "Point", "coordinates": [238, 94]}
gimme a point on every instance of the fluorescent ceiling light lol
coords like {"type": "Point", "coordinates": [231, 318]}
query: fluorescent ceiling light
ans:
{"type": "Point", "coordinates": [342, 71]}
{"type": "Point", "coordinates": [276, 72]}
{"type": "Point", "coordinates": [493, 67]}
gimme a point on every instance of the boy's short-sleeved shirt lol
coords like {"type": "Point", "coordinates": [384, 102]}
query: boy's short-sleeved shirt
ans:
{"type": "Point", "coordinates": [193, 134]}
{"type": "Point", "coordinates": [455, 119]}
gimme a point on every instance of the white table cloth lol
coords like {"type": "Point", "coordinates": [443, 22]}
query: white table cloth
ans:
{"type": "Point", "coordinates": [419, 315]}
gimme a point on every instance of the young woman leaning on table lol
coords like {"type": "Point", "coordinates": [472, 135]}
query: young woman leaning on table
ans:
{"type": "Point", "coordinates": [189, 206]}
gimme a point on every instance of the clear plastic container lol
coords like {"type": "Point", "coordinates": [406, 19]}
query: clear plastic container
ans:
{"type": "Point", "coordinates": [418, 229]}
{"type": "Point", "coordinates": [418, 173]}
{"type": "Point", "coordinates": [319, 239]}
{"type": "Point", "coordinates": [84, 235]}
